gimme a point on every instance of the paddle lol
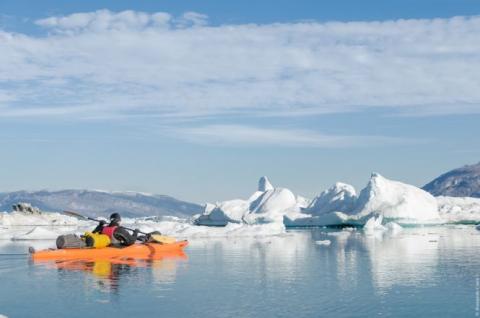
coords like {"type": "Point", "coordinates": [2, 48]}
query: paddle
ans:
{"type": "Point", "coordinates": [157, 237]}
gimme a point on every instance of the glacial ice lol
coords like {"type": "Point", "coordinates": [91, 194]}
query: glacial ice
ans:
{"type": "Point", "coordinates": [393, 201]}
{"type": "Point", "coordinates": [458, 209]}
{"type": "Point", "coordinates": [339, 198]}
{"type": "Point", "coordinates": [50, 219]}
{"type": "Point", "coordinates": [383, 206]}
{"type": "Point", "coordinates": [396, 200]}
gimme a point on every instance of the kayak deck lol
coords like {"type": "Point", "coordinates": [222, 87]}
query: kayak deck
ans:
{"type": "Point", "coordinates": [145, 250]}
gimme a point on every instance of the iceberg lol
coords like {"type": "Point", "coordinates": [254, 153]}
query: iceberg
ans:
{"type": "Point", "coordinates": [382, 206]}
{"type": "Point", "coordinates": [270, 206]}
{"type": "Point", "coordinates": [328, 219]}
{"type": "Point", "coordinates": [223, 213]}
{"type": "Point", "coordinates": [339, 198]}
{"type": "Point", "coordinates": [44, 218]}
{"type": "Point", "coordinates": [266, 205]}
{"type": "Point", "coordinates": [395, 200]}
{"type": "Point", "coordinates": [264, 184]}
{"type": "Point", "coordinates": [381, 200]}
{"type": "Point", "coordinates": [458, 209]}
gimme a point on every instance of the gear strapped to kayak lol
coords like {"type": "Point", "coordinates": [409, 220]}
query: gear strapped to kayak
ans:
{"type": "Point", "coordinates": [119, 235]}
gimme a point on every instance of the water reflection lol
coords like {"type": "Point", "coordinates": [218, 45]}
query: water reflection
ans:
{"type": "Point", "coordinates": [107, 275]}
{"type": "Point", "coordinates": [411, 257]}
{"type": "Point", "coordinates": [266, 257]}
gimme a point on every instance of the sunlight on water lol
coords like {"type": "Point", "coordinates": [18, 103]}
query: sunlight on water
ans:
{"type": "Point", "coordinates": [419, 271]}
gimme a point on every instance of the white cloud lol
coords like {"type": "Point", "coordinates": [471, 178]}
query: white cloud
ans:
{"type": "Point", "coordinates": [114, 64]}
{"type": "Point", "coordinates": [238, 135]}
{"type": "Point", "coordinates": [104, 20]}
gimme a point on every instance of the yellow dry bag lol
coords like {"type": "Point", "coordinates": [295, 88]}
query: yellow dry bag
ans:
{"type": "Point", "coordinates": [96, 240]}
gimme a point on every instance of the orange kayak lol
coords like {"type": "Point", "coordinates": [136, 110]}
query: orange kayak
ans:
{"type": "Point", "coordinates": [146, 250]}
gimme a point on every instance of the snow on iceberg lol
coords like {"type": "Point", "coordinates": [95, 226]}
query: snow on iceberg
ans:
{"type": "Point", "coordinates": [381, 200]}
{"type": "Point", "coordinates": [396, 201]}
{"type": "Point", "coordinates": [264, 184]}
{"type": "Point", "coordinates": [44, 218]}
{"type": "Point", "coordinates": [458, 209]}
{"type": "Point", "coordinates": [339, 198]}
{"type": "Point", "coordinates": [338, 205]}
{"type": "Point", "coordinates": [267, 204]}
{"type": "Point", "coordinates": [225, 212]}
{"type": "Point", "coordinates": [270, 206]}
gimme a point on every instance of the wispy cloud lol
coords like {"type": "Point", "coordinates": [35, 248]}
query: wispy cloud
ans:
{"type": "Point", "coordinates": [100, 64]}
{"type": "Point", "coordinates": [240, 135]}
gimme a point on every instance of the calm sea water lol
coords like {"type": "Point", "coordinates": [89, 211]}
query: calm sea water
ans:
{"type": "Point", "coordinates": [419, 272]}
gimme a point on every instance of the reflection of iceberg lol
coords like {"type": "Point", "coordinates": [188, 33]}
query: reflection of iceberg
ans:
{"type": "Point", "coordinates": [271, 257]}
{"type": "Point", "coordinates": [404, 259]}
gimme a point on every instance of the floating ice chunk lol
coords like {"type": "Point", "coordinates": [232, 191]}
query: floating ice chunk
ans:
{"type": "Point", "coordinates": [334, 218]}
{"type": "Point", "coordinates": [394, 227]}
{"type": "Point", "coordinates": [374, 224]}
{"type": "Point", "coordinates": [324, 242]}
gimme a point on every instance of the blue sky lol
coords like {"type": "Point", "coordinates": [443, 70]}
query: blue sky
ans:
{"type": "Point", "coordinates": [198, 99]}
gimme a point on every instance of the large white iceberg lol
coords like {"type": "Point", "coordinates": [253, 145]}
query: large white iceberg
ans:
{"type": "Point", "coordinates": [266, 205]}
{"type": "Point", "coordinates": [225, 212]}
{"type": "Point", "coordinates": [396, 200]}
{"type": "Point", "coordinates": [270, 206]}
{"type": "Point", "coordinates": [390, 200]}
{"type": "Point", "coordinates": [341, 197]}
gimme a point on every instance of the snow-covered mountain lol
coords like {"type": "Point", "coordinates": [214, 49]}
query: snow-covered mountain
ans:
{"type": "Point", "coordinates": [461, 182]}
{"type": "Point", "coordinates": [102, 203]}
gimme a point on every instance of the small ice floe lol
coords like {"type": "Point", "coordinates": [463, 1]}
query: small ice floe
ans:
{"type": "Point", "coordinates": [394, 227]}
{"type": "Point", "coordinates": [478, 227]}
{"type": "Point", "coordinates": [374, 224]}
{"type": "Point", "coordinates": [324, 242]}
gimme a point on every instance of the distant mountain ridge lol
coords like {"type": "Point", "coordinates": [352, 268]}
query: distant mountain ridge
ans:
{"type": "Point", "coordinates": [101, 203]}
{"type": "Point", "coordinates": [460, 182]}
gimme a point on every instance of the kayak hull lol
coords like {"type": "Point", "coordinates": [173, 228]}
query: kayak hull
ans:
{"type": "Point", "coordinates": [147, 250]}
